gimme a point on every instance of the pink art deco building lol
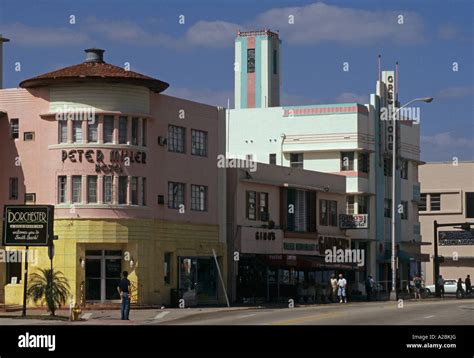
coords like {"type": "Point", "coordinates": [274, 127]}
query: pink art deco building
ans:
{"type": "Point", "coordinates": [133, 177]}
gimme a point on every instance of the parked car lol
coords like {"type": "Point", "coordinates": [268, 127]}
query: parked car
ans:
{"type": "Point", "coordinates": [450, 287]}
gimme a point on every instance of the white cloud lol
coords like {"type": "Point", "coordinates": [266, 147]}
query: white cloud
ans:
{"type": "Point", "coordinates": [456, 92]}
{"type": "Point", "coordinates": [349, 97]}
{"type": "Point", "coordinates": [25, 35]}
{"type": "Point", "coordinates": [212, 33]}
{"type": "Point", "coordinates": [203, 95]}
{"type": "Point", "coordinates": [445, 146]}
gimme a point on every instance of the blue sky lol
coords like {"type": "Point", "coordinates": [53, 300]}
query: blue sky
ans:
{"type": "Point", "coordinates": [196, 57]}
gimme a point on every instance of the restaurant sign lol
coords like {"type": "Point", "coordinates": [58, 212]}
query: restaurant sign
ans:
{"type": "Point", "coordinates": [28, 225]}
{"type": "Point", "coordinates": [359, 221]}
{"type": "Point", "coordinates": [453, 238]}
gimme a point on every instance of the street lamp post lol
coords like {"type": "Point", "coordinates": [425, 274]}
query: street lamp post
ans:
{"type": "Point", "coordinates": [393, 293]}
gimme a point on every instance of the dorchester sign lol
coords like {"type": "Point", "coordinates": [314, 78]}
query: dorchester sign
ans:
{"type": "Point", "coordinates": [28, 225]}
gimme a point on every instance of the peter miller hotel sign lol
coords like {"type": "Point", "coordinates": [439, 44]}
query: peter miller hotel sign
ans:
{"type": "Point", "coordinates": [28, 225]}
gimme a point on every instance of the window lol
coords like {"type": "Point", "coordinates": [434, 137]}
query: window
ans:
{"type": "Point", "coordinates": [143, 188]}
{"type": "Point", "coordinates": [362, 204]}
{"type": "Point", "coordinates": [404, 169]}
{"type": "Point", "coordinates": [176, 139]}
{"type": "Point", "coordinates": [296, 160]}
{"type": "Point", "coordinates": [387, 208]}
{"type": "Point", "coordinates": [323, 212]}
{"type": "Point", "coordinates": [30, 198]}
{"type": "Point", "coordinates": [175, 195]}
{"type": "Point", "coordinates": [27, 136]}
{"type": "Point", "coordinates": [144, 132]}
{"type": "Point", "coordinates": [122, 190]}
{"type": "Point", "coordinates": [350, 205]}
{"type": "Point", "coordinates": [250, 60]}
{"type": "Point", "coordinates": [263, 207]}
{"type": "Point", "coordinates": [92, 189]}
{"type": "Point", "coordinates": [13, 189]}
{"type": "Point", "coordinates": [404, 213]}
{"type": "Point", "coordinates": [107, 188]}
{"type": "Point", "coordinates": [303, 216]}
{"type": "Point", "coordinates": [347, 161]}
{"type": "Point", "coordinates": [135, 131]}
{"type": "Point", "coordinates": [387, 167]}
{"type": "Point", "coordinates": [199, 197]}
{"type": "Point", "coordinates": [92, 131]}
{"type": "Point", "coordinates": [435, 202]}
{"type": "Point", "coordinates": [14, 128]}
{"type": "Point", "coordinates": [62, 189]}
{"type": "Point", "coordinates": [108, 129]}
{"type": "Point", "coordinates": [251, 201]}
{"type": "Point", "coordinates": [77, 131]}
{"type": "Point", "coordinates": [13, 268]}
{"type": "Point", "coordinates": [332, 213]}
{"type": "Point", "coordinates": [470, 205]}
{"type": "Point", "coordinates": [134, 190]}
{"type": "Point", "coordinates": [167, 267]}
{"type": "Point", "coordinates": [123, 123]}
{"type": "Point", "coordinates": [363, 162]}
{"type": "Point", "coordinates": [422, 204]}
{"type": "Point", "coordinates": [62, 131]}
{"type": "Point", "coordinates": [198, 143]}
{"type": "Point", "coordinates": [275, 62]}
{"type": "Point", "coordinates": [272, 159]}
{"type": "Point", "coordinates": [76, 189]}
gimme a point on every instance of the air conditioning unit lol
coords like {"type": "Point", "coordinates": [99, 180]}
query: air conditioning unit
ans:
{"type": "Point", "coordinates": [162, 141]}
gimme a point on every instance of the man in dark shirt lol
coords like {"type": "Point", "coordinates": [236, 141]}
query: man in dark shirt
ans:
{"type": "Point", "coordinates": [124, 292]}
{"type": "Point", "coordinates": [467, 281]}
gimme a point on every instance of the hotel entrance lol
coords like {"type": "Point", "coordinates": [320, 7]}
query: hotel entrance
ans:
{"type": "Point", "coordinates": [103, 272]}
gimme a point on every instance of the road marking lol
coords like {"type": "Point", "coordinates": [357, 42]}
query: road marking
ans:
{"type": "Point", "coordinates": [429, 316]}
{"type": "Point", "coordinates": [247, 315]}
{"type": "Point", "coordinates": [308, 318]}
{"type": "Point", "coordinates": [161, 315]}
{"type": "Point", "coordinates": [86, 316]}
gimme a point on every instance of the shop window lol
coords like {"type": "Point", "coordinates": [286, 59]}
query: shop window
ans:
{"type": "Point", "coordinates": [198, 197]}
{"type": "Point", "coordinates": [92, 131]}
{"type": "Point", "coordinates": [167, 267]}
{"type": "Point", "coordinates": [251, 201]}
{"type": "Point", "coordinates": [387, 208]}
{"type": "Point", "coordinates": [363, 162]}
{"type": "Point", "coordinates": [198, 143]}
{"type": "Point", "coordinates": [251, 60]}
{"type": "Point", "coordinates": [272, 159]}
{"type": "Point", "coordinates": [134, 190]}
{"type": "Point", "coordinates": [175, 195]}
{"type": "Point", "coordinates": [92, 189]}
{"type": "Point", "coordinates": [135, 131]}
{"type": "Point", "coordinates": [76, 189]}
{"type": "Point", "coordinates": [347, 161]}
{"type": "Point", "coordinates": [404, 169]}
{"type": "Point", "coordinates": [296, 160]}
{"type": "Point", "coordinates": [77, 131]}
{"type": "Point", "coordinates": [108, 129]}
{"type": "Point", "coordinates": [13, 268]}
{"type": "Point", "coordinates": [176, 139]}
{"type": "Point", "coordinates": [422, 204]}
{"type": "Point", "coordinates": [123, 123]}
{"type": "Point", "coordinates": [122, 190]}
{"type": "Point", "coordinates": [404, 213]}
{"type": "Point", "coordinates": [13, 189]}
{"type": "Point", "coordinates": [14, 128]}
{"type": "Point", "coordinates": [435, 202]}
{"type": "Point", "coordinates": [470, 205]}
{"type": "Point", "coordinates": [62, 131]}
{"type": "Point", "coordinates": [107, 189]}
{"type": "Point", "coordinates": [62, 189]}
{"type": "Point", "coordinates": [263, 214]}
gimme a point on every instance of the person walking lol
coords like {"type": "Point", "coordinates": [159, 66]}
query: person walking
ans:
{"type": "Point", "coordinates": [417, 283]}
{"type": "Point", "coordinates": [124, 292]}
{"type": "Point", "coordinates": [333, 287]}
{"type": "Point", "coordinates": [467, 282]}
{"type": "Point", "coordinates": [369, 287]}
{"type": "Point", "coordinates": [441, 285]}
{"type": "Point", "coordinates": [341, 291]}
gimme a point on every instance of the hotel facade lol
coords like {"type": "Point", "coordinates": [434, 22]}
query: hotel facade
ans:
{"type": "Point", "coordinates": [350, 140]}
{"type": "Point", "coordinates": [132, 175]}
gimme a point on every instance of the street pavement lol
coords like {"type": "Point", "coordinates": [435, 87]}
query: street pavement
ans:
{"type": "Point", "coordinates": [410, 312]}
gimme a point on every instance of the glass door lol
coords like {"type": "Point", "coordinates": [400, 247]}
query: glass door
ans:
{"type": "Point", "coordinates": [93, 279]}
{"type": "Point", "coordinates": [103, 273]}
{"type": "Point", "coordinates": [188, 279]}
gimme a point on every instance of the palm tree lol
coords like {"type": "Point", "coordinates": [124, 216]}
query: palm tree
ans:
{"type": "Point", "coordinates": [55, 291]}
